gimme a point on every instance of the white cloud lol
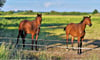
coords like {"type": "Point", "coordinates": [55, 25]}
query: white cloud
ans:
{"type": "Point", "coordinates": [47, 4]}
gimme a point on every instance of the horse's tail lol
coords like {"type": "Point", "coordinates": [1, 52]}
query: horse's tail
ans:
{"type": "Point", "coordinates": [64, 28]}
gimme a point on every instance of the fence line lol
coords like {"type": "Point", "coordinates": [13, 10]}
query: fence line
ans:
{"type": "Point", "coordinates": [56, 46]}
{"type": "Point", "coordinates": [45, 45]}
{"type": "Point", "coordinates": [31, 39]}
{"type": "Point", "coordinates": [38, 39]}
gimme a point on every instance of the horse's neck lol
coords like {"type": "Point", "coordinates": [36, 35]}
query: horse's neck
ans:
{"type": "Point", "coordinates": [36, 22]}
{"type": "Point", "coordinates": [83, 25]}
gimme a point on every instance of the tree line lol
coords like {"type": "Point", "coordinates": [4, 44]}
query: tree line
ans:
{"type": "Point", "coordinates": [30, 12]}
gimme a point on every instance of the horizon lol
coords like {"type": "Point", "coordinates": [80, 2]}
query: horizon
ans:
{"type": "Point", "coordinates": [51, 5]}
{"type": "Point", "coordinates": [46, 11]}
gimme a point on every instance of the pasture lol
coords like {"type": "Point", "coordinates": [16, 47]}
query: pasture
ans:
{"type": "Point", "coordinates": [52, 28]}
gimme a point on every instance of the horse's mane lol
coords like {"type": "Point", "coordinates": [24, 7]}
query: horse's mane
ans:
{"type": "Point", "coordinates": [83, 20]}
{"type": "Point", "coordinates": [37, 17]}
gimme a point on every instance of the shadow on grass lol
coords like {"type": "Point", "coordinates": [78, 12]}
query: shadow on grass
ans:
{"type": "Point", "coordinates": [53, 24]}
{"type": "Point", "coordinates": [43, 35]}
{"type": "Point", "coordinates": [9, 18]}
{"type": "Point", "coordinates": [95, 43]}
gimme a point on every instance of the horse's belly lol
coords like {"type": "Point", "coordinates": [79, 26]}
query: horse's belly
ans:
{"type": "Point", "coordinates": [74, 34]}
{"type": "Point", "coordinates": [29, 31]}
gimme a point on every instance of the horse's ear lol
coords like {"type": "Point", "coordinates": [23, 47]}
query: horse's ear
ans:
{"type": "Point", "coordinates": [40, 14]}
{"type": "Point", "coordinates": [37, 14]}
{"type": "Point", "coordinates": [84, 16]}
{"type": "Point", "coordinates": [89, 16]}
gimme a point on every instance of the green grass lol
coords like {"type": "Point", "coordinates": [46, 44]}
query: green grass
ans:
{"type": "Point", "coordinates": [51, 29]}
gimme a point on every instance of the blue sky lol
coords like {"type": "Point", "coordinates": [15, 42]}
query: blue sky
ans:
{"type": "Point", "coordinates": [56, 5]}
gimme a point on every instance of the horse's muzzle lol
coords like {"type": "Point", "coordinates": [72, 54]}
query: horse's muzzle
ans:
{"type": "Point", "coordinates": [90, 25]}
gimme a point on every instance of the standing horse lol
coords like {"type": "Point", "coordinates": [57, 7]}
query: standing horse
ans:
{"type": "Point", "coordinates": [77, 30]}
{"type": "Point", "coordinates": [30, 27]}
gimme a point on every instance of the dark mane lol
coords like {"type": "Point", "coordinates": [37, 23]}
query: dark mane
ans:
{"type": "Point", "coordinates": [39, 15]}
{"type": "Point", "coordinates": [83, 20]}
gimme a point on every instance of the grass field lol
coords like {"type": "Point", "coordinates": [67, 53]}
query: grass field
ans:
{"type": "Point", "coordinates": [52, 28]}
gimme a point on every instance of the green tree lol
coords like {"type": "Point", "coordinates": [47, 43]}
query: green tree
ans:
{"type": "Point", "coordinates": [30, 11]}
{"type": "Point", "coordinates": [2, 2]}
{"type": "Point", "coordinates": [9, 12]}
{"type": "Point", "coordinates": [95, 11]}
{"type": "Point", "coordinates": [1, 12]}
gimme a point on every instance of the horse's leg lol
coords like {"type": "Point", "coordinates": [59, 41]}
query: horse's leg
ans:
{"type": "Point", "coordinates": [32, 40]}
{"type": "Point", "coordinates": [78, 45]}
{"type": "Point", "coordinates": [36, 42]}
{"type": "Point", "coordinates": [18, 37]}
{"type": "Point", "coordinates": [67, 40]}
{"type": "Point", "coordinates": [37, 34]}
{"type": "Point", "coordinates": [72, 41]}
{"type": "Point", "coordinates": [82, 38]}
{"type": "Point", "coordinates": [23, 38]}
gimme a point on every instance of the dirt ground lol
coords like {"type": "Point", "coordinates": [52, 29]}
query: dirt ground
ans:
{"type": "Point", "coordinates": [71, 54]}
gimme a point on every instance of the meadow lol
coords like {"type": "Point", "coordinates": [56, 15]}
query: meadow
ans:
{"type": "Point", "coordinates": [52, 28]}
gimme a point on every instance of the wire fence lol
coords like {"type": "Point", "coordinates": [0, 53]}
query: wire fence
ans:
{"type": "Point", "coordinates": [31, 39]}
{"type": "Point", "coordinates": [45, 45]}
{"type": "Point", "coordinates": [38, 39]}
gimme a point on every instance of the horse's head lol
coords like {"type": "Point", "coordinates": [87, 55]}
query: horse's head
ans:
{"type": "Point", "coordinates": [87, 20]}
{"type": "Point", "coordinates": [39, 19]}
{"type": "Point", "coordinates": [39, 15]}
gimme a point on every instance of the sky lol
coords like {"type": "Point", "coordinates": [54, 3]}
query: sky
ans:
{"type": "Point", "coordinates": [55, 5]}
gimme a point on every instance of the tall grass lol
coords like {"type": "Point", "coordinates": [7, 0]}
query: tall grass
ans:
{"type": "Point", "coordinates": [4, 53]}
{"type": "Point", "coordinates": [8, 52]}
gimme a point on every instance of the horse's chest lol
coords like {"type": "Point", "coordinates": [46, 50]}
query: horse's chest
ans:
{"type": "Point", "coordinates": [33, 27]}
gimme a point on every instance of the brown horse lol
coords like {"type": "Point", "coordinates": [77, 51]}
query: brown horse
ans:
{"type": "Point", "coordinates": [30, 27]}
{"type": "Point", "coordinates": [77, 30]}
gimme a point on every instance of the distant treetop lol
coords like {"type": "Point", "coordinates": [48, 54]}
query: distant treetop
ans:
{"type": "Point", "coordinates": [2, 2]}
{"type": "Point", "coordinates": [95, 11]}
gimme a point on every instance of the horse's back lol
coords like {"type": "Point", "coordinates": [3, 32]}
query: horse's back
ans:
{"type": "Point", "coordinates": [73, 29]}
{"type": "Point", "coordinates": [27, 26]}
{"type": "Point", "coordinates": [70, 26]}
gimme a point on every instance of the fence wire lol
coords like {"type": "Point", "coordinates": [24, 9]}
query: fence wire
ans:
{"type": "Point", "coordinates": [47, 46]}
{"type": "Point", "coordinates": [38, 39]}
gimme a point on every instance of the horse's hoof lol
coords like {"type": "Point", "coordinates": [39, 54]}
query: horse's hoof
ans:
{"type": "Point", "coordinates": [73, 49]}
{"type": "Point", "coordinates": [36, 49]}
{"type": "Point", "coordinates": [32, 48]}
{"type": "Point", "coordinates": [79, 53]}
{"type": "Point", "coordinates": [66, 47]}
